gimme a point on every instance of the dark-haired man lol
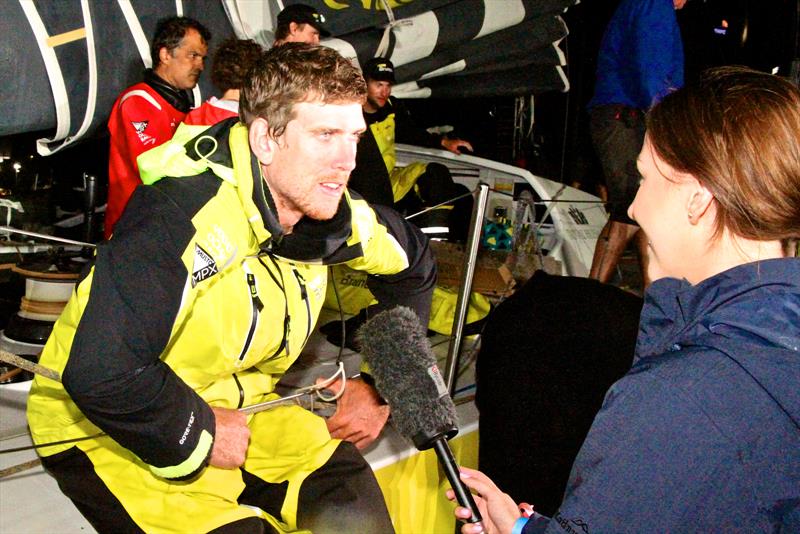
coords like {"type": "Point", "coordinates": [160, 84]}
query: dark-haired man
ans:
{"type": "Point", "coordinates": [146, 115]}
{"type": "Point", "coordinates": [299, 23]}
{"type": "Point", "coordinates": [204, 297]}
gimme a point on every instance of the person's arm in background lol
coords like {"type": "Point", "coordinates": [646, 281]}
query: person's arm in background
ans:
{"type": "Point", "coordinates": [659, 54]}
{"type": "Point", "coordinates": [407, 131]}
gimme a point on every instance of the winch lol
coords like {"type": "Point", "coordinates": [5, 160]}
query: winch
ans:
{"type": "Point", "coordinates": [49, 282]}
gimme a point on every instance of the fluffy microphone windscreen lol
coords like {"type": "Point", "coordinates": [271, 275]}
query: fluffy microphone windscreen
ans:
{"type": "Point", "coordinates": [402, 363]}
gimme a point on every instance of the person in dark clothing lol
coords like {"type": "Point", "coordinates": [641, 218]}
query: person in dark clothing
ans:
{"type": "Point", "coordinates": [703, 433]}
{"type": "Point", "coordinates": [548, 355]}
{"type": "Point", "coordinates": [640, 60]}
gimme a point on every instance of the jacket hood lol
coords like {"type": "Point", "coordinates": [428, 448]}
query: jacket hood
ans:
{"type": "Point", "coordinates": [751, 313]}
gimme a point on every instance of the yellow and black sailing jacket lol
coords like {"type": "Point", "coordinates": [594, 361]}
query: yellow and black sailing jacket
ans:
{"type": "Point", "coordinates": [199, 299]}
{"type": "Point", "coordinates": [393, 124]}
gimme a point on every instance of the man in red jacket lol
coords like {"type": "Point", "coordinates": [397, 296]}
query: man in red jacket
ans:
{"type": "Point", "coordinates": [146, 114]}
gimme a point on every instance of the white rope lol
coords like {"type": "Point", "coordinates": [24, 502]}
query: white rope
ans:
{"type": "Point", "coordinates": [383, 46]}
{"type": "Point", "coordinates": [136, 32]}
{"type": "Point", "coordinates": [54, 74]}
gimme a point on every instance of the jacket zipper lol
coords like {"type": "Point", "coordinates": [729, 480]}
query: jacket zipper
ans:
{"type": "Point", "coordinates": [304, 294]}
{"type": "Point", "coordinates": [256, 307]}
{"type": "Point", "coordinates": [241, 391]}
{"type": "Point", "coordinates": [279, 283]}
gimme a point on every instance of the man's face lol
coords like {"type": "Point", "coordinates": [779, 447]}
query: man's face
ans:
{"type": "Point", "coordinates": [302, 33]}
{"type": "Point", "coordinates": [678, 3]}
{"type": "Point", "coordinates": [312, 160]}
{"type": "Point", "coordinates": [182, 67]}
{"type": "Point", "coordinates": [378, 93]}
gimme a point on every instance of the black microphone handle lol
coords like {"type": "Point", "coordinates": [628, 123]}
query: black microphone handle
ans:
{"type": "Point", "coordinates": [448, 463]}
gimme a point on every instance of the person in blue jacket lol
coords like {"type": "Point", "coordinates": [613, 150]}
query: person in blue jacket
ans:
{"type": "Point", "coordinates": [703, 433]}
{"type": "Point", "coordinates": [640, 60]}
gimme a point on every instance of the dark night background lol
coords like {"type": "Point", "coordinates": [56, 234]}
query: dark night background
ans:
{"type": "Point", "coordinates": [761, 34]}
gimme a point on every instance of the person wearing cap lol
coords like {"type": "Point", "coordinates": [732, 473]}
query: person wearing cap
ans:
{"type": "Point", "coordinates": [414, 186]}
{"type": "Point", "coordinates": [299, 23]}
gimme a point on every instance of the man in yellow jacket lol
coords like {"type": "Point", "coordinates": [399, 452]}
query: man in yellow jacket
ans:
{"type": "Point", "coordinates": [203, 298]}
{"type": "Point", "coordinates": [416, 186]}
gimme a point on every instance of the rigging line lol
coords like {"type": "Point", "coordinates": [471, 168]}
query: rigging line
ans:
{"type": "Point", "coordinates": [439, 205]}
{"type": "Point", "coordinates": [542, 202]}
{"type": "Point", "coordinates": [545, 201]}
{"type": "Point", "coordinates": [566, 118]}
{"type": "Point", "coordinates": [52, 443]}
{"type": "Point", "coordinates": [383, 45]}
{"type": "Point", "coordinates": [46, 237]}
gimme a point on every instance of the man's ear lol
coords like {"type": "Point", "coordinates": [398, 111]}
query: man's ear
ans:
{"type": "Point", "coordinates": [261, 142]}
{"type": "Point", "coordinates": [163, 55]}
{"type": "Point", "coordinates": [293, 28]}
{"type": "Point", "coordinates": [699, 201]}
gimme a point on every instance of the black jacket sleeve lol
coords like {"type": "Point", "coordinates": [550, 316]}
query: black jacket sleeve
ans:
{"type": "Point", "coordinates": [412, 287]}
{"type": "Point", "coordinates": [370, 176]}
{"type": "Point", "coordinates": [114, 373]}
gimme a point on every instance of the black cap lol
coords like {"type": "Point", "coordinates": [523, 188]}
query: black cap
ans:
{"type": "Point", "coordinates": [303, 14]}
{"type": "Point", "coordinates": [380, 69]}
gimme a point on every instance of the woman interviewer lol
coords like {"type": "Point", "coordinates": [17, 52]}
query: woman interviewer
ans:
{"type": "Point", "coordinates": [703, 433]}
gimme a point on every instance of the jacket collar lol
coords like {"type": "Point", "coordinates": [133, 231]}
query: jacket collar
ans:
{"type": "Point", "coordinates": [737, 300]}
{"type": "Point", "coordinates": [380, 114]}
{"type": "Point", "coordinates": [180, 100]}
{"type": "Point", "coordinates": [224, 149]}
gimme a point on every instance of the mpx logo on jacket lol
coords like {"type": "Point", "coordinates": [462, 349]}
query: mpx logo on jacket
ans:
{"type": "Point", "coordinates": [203, 267]}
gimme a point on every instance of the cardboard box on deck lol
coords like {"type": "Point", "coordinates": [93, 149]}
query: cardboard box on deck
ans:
{"type": "Point", "coordinates": [491, 277]}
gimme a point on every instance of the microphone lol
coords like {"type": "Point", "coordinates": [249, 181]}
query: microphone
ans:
{"type": "Point", "coordinates": [401, 361]}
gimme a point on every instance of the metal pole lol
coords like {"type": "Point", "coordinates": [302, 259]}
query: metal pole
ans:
{"type": "Point", "coordinates": [470, 257]}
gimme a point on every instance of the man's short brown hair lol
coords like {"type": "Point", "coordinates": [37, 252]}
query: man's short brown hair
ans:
{"type": "Point", "coordinates": [232, 61]}
{"type": "Point", "coordinates": [293, 73]}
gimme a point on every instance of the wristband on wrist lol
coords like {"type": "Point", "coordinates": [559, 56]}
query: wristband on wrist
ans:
{"type": "Point", "coordinates": [519, 524]}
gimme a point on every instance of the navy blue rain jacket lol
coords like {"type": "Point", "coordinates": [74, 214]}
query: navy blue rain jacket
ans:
{"type": "Point", "coordinates": [703, 433]}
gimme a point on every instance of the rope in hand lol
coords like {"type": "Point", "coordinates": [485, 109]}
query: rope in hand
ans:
{"type": "Point", "coordinates": [314, 391]}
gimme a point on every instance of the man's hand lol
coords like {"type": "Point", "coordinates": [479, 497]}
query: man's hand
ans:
{"type": "Point", "coordinates": [453, 145]}
{"type": "Point", "coordinates": [359, 416]}
{"type": "Point", "coordinates": [498, 510]}
{"type": "Point", "coordinates": [231, 438]}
